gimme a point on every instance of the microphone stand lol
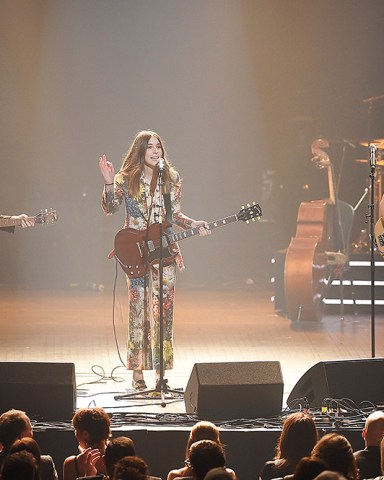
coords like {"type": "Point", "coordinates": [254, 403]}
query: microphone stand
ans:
{"type": "Point", "coordinates": [371, 216]}
{"type": "Point", "coordinates": [161, 385]}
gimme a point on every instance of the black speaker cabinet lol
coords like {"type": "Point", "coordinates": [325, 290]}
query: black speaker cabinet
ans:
{"type": "Point", "coordinates": [42, 390]}
{"type": "Point", "coordinates": [235, 390]}
{"type": "Point", "coordinates": [358, 380]}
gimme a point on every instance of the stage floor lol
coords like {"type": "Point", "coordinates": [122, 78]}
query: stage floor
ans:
{"type": "Point", "coordinates": [78, 326]}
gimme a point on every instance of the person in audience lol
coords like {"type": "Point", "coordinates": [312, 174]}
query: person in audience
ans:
{"type": "Point", "coordinates": [203, 430]}
{"type": "Point", "coordinates": [47, 470]}
{"type": "Point", "coordinates": [330, 475]}
{"type": "Point", "coordinates": [15, 425]}
{"type": "Point", "coordinates": [20, 466]}
{"type": "Point", "coordinates": [205, 455]}
{"type": "Point", "coordinates": [298, 437]}
{"type": "Point", "coordinates": [307, 469]}
{"type": "Point", "coordinates": [369, 460]}
{"type": "Point", "coordinates": [92, 431]}
{"type": "Point", "coordinates": [117, 449]}
{"type": "Point", "coordinates": [336, 452]}
{"type": "Point", "coordinates": [218, 474]}
{"type": "Point", "coordinates": [131, 468]}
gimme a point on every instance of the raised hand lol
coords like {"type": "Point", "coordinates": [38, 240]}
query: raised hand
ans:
{"type": "Point", "coordinates": [107, 170]}
{"type": "Point", "coordinates": [87, 460]}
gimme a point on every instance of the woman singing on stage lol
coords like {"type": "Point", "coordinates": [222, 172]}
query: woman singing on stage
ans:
{"type": "Point", "coordinates": [136, 185]}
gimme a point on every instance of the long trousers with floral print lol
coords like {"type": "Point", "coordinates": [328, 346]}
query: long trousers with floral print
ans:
{"type": "Point", "coordinates": [144, 320]}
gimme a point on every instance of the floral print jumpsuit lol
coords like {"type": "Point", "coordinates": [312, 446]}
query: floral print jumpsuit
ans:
{"type": "Point", "coordinates": [144, 310]}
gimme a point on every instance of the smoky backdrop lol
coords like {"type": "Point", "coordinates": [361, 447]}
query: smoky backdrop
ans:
{"type": "Point", "coordinates": [238, 89]}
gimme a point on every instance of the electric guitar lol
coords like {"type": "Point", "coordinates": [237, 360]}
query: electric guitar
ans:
{"type": "Point", "coordinates": [46, 216]}
{"type": "Point", "coordinates": [138, 250]}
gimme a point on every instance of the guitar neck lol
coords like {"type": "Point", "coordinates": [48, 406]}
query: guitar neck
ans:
{"type": "Point", "coordinates": [12, 222]}
{"type": "Point", "coordinates": [177, 236]}
{"type": "Point", "coordinates": [332, 185]}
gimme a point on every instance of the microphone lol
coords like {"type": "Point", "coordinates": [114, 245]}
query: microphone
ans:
{"type": "Point", "coordinates": [372, 155]}
{"type": "Point", "coordinates": [160, 164]}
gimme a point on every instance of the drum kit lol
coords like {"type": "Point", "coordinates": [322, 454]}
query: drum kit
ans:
{"type": "Point", "coordinates": [379, 165]}
{"type": "Point", "coordinates": [362, 243]}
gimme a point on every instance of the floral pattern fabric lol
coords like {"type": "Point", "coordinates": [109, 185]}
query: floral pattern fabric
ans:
{"type": "Point", "coordinates": [143, 292]}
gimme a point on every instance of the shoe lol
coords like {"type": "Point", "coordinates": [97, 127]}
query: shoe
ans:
{"type": "Point", "coordinates": [138, 382]}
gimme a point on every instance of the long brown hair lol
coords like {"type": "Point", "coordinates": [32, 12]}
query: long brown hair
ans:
{"type": "Point", "coordinates": [133, 163]}
{"type": "Point", "coordinates": [337, 453]}
{"type": "Point", "coordinates": [298, 437]}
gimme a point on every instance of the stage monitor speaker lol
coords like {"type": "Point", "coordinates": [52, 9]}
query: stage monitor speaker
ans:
{"type": "Point", "coordinates": [232, 390]}
{"type": "Point", "coordinates": [42, 390]}
{"type": "Point", "coordinates": [358, 380]}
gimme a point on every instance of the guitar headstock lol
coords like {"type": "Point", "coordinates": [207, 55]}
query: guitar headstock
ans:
{"type": "Point", "coordinates": [250, 212]}
{"type": "Point", "coordinates": [46, 216]}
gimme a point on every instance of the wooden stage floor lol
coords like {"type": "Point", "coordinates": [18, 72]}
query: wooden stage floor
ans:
{"type": "Point", "coordinates": [211, 326]}
{"type": "Point", "coordinates": [78, 326]}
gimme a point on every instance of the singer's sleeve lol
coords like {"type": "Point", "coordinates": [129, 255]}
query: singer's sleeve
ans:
{"type": "Point", "coordinates": [113, 198]}
{"type": "Point", "coordinates": [179, 218]}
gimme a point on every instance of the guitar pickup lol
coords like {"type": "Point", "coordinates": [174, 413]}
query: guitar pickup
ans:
{"type": "Point", "coordinates": [151, 246]}
{"type": "Point", "coordinates": [139, 249]}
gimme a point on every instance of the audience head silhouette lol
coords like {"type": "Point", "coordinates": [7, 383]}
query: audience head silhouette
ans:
{"type": "Point", "coordinates": [117, 449]}
{"type": "Point", "coordinates": [27, 444]}
{"type": "Point", "coordinates": [218, 474]}
{"type": "Point", "coordinates": [298, 437]}
{"type": "Point", "coordinates": [14, 424]}
{"type": "Point", "coordinates": [130, 468]}
{"type": "Point", "coordinates": [203, 430]}
{"type": "Point", "coordinates": [336, 451]}
{"type": "Point", "coordinates": [92, 427]}
{"type": "Point", "coordinates": [205, 455]}
{"type": "Point", "coordinates": [20, 466]}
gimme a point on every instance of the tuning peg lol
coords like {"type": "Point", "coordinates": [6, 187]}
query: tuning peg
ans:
{"type": "Point", "coordinates": [242, 207]}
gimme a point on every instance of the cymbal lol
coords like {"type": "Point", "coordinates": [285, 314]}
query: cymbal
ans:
{"type": "Point", "coordinates": [379, 142]}
{"type": "Point", "coordinates": [379, 163]}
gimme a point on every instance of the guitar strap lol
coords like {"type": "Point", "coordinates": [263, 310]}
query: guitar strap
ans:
{"type": "Point", "coordinates": [168, 209]}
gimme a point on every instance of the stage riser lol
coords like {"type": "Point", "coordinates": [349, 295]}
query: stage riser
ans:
{"type": "Point", "coordinates": [358, 297]}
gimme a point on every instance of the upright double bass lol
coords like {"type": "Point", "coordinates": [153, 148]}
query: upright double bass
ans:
{"type": "Point", "coordinates": [319, 251]}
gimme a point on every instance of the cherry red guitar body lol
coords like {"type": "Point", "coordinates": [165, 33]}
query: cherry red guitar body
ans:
{"type": "Point", "coordinates": [138, 250]}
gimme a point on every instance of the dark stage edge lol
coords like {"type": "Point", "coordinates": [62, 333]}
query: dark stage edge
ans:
{"type": "Point", "coordinates": [163, 446]}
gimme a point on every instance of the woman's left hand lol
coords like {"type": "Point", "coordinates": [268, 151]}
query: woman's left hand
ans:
{"type": "Point", "coordinates": [203, 230]}
{"type": "Point", "coordinates": [88, 459]}
{"type": "Point", "coordinates": [25, 220]}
